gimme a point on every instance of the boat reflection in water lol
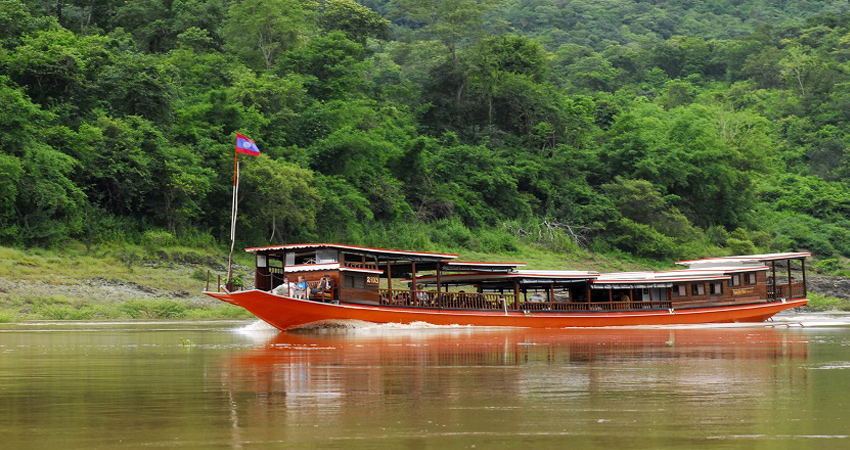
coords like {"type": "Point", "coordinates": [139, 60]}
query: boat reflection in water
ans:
{"type": "Point", "coordinates": [386, 376]}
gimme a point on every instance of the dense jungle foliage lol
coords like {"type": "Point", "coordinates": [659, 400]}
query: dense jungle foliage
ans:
{"type": "Point", "coordinates": [663, 129]}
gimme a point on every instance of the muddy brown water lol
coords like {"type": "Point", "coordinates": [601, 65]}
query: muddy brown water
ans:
{"type": "Point", "coordinates": [238, 385]}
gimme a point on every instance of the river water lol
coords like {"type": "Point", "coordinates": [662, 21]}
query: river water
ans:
{"type": "Point", "coordinates": [239, 385]}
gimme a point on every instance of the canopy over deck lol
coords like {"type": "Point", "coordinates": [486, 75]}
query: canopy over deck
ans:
{"type": "Point", "coordinates": [381, 254]}
{"type": "Point", "coordinates": [664, 279]}
{"type": "Point", "coordinates": [521, 276]}
{"type": "Point", "coordinates": [742, 260]}
{"type": "Point", "coordinates": [468, 266]}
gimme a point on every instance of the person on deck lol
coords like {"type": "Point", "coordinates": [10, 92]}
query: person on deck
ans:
{"type": "Point", "coordinates": [325, 288]}
{"type": "Point", "coordinates": [284, 288]}
{"type": "Point", "coordinates": [422, 297]}
{"type": "Point", "coordinates": [301, 288]}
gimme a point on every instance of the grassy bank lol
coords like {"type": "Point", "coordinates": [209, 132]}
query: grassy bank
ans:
{"type": "Point", "coordinates": [818, 302]}
{"type": "Point", "coordinates": [136, 282]}
{"type": "Point", "coordinates": [79, 283]}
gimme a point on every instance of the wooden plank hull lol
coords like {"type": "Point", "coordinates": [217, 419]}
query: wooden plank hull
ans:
{"type": "Point", "coordinates": [285, 313]}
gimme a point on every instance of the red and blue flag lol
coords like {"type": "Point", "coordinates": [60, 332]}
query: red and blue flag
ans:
{"type": "Point", "coordinates": [245, 145]}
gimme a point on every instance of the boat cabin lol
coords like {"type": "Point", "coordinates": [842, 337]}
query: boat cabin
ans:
{"type": "Point", "coordinates": [356, 272]}
{"type": "Point", "coordinates": [710, 282]}
{"type": "Point", "coordinates": [399, 278]}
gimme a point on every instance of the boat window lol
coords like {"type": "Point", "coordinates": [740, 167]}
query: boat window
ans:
{"type": "Point", "coordinates": [735, 280]}
{"type": "Point", "coordinates": [261, 261]}
{"type": "Point", "coordinates": [680, 290]}
{"type": "Point", "coordinates": [326, 255]}
{"type": "Point", "coordinates": [716, 288]}
{"type": "Point", "coordinates": [305, 258]}
{"type": "Point", "coordinates": [351, 257]}
{"type": "Point", "coordinates": [290, 258]}
{"type": "Point", "coordinates": [750, 278]}
{"type": "Point", "coordinates": [698, 289]}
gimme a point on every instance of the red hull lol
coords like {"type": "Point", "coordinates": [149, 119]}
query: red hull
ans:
{"type": "Point", "coordinates": [284, 313]}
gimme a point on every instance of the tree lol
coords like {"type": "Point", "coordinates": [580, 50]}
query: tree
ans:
{"type": "Point", "coordinates": [58, 66]}
{"type": "Point", "coordinates": [355, 20]}
{"type": "Point", "coordinates": [332, 64]}
{"type": "Point", "coordinates": [183, 182]}
{"type": "Point", "coordinates": [451, 22]}
{"type": "Point", "coordinates": [260, 30]}
{"type": "Point", "coordinates": [278, 201]}
{"type": "Point", "coordinates": [797, 66]}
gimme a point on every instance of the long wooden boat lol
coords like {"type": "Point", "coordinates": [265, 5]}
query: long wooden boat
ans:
{"type": "Point", "coordinates": [437, 289]}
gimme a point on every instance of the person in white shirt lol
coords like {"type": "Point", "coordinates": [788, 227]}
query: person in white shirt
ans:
{"type": "Point", "coordinates": [285, 289]}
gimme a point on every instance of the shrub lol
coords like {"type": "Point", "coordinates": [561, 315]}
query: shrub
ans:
{"type": "Point", "coordinates": [741, 246]}
{"type": "Point", "coordinates": [158, 238]}
{"type": "Point", "coordinates": [831, 266]}
{"type": "Point", "coordinates": [64, 312]}
{"type": "Point", "coordinates": [199, 274]}
{"type": "Point", "coordinates": [153, 309]}
{"type": "Point", "coordinates": [818, 302]}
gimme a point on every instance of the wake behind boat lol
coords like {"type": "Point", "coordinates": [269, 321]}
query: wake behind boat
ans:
{"type": "Point", "coordinates": [346, 282]}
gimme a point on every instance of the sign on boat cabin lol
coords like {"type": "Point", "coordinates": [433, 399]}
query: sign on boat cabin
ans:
{"type": "Point", "coordinates": [425, 280]}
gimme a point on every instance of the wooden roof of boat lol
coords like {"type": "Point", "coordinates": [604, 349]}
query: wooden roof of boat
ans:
{"type": "Point", "coordinates": [745, 259]}
{"type": "Point", "coordinates": [520, 275]}
{"type": "Point", "coordinates": [487, 266]}
{"type": "Point", "coordinates": [382, 252]}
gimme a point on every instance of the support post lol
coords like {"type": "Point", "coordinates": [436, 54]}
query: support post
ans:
{"type": "Point", "coordinates": [805, 290]}
{"type": "Point", "coordinates": [773, 275]}
{"type": "Point", "coordinates": [788, 262]}
{"type": "Point", "coordinates": [516, 295]}
{"type": "Point", "coordinates": [389, 280]}
{"type": "Point", "coordinates": [551, 294]}
{"type": "Point", "coordinates": [258, 277]}
{"type": "Point", "coordinates": [439, 284]}
{"type": "Point", "coordinates": [413, 297]}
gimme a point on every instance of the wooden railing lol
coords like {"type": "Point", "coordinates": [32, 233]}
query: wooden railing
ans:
{"type": "Point", "coordinates": [449, 300]}
{"type": "Point", "coordinates": [596, 306]}
{"type": "Point", "coordinates": [797, 290]}
{"type": "Point", "coordinates": [499, 302]}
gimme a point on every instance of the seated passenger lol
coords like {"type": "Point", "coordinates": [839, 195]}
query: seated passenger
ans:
{"type": "Point", "coordinates": [301, 289]}
{"type": "Point", "coordinates": [325, 287]}
{"type": "Point", "coordinates": [421, 296]}
{"type": "Point", "coordinates": [284, 289]}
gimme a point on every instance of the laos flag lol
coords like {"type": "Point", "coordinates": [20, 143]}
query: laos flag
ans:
{"type": "Point", "coordinates": [245, 145]}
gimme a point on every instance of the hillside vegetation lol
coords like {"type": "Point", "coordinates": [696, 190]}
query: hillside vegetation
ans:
{"type": "Point", "coordinates": [658, 130]}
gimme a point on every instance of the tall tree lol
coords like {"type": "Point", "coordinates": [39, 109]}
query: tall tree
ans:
{"type": "Point", "coordinates": [260, 30]}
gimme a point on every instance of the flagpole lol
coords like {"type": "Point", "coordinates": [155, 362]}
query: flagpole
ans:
{"type": "Point", "coordinates": [233, 210]}
{"type": "Point", "coordinates": [243, 145]}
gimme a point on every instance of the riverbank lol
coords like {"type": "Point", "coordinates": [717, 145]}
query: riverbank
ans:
{"type": "Point", "coordinates": [79, 283]}
{"type": "Point", "coordinates": [110, 283]}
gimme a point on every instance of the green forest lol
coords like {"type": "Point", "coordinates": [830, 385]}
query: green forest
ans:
{"type": "Point", "coordinates": [656, 129]}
